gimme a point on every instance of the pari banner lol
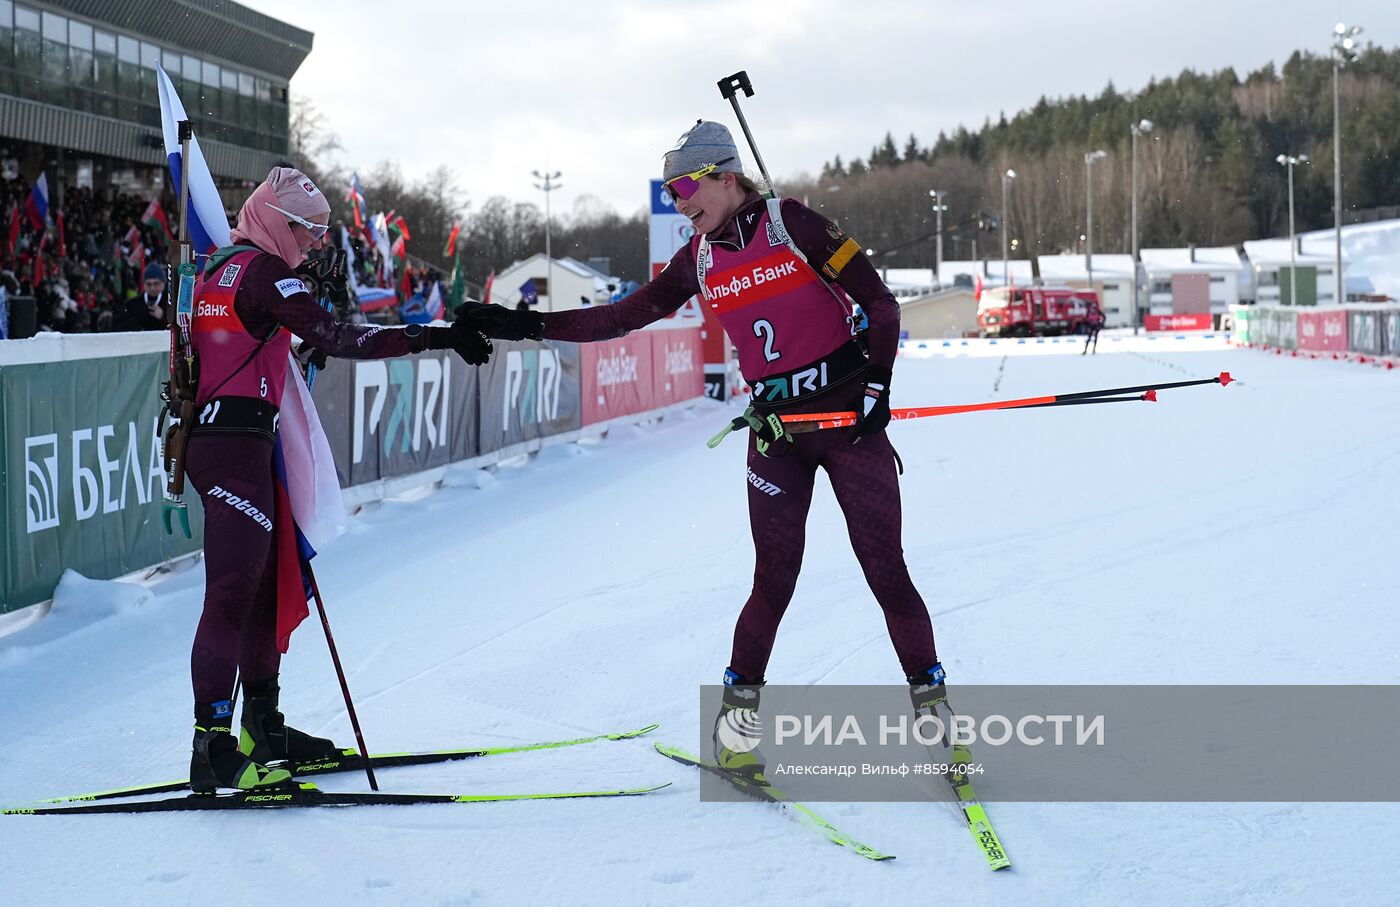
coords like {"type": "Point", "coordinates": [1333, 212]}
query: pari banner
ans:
{"type": "Point", "coordinates": [83, 480]}
{"type": "Point", "coordinates": [388, 418]}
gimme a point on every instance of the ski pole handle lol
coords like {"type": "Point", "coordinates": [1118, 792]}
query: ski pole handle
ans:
{"type": "Point", "coordinates": [729, 88]}
{"type": "Point", "coordinates": [729, 85]}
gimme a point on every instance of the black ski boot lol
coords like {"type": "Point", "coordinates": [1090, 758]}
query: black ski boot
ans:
{"type": "Point", "coordinates": [265, 736]}
{"type": "Point", "coordinates": [216, 762]}
{"type": "Point", "coordinates": [738, 729]}
{"type": "Point", "coordinates": [929, 696]}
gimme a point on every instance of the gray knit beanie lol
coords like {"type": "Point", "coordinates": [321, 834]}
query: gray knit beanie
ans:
{"type": "Point", "coordinates": [703, 144]}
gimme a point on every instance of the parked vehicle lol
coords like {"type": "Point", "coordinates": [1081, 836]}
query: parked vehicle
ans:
{"type": "Point", "coordinates": [1037, 311]}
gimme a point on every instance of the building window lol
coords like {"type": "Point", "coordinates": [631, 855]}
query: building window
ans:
{"type": "Point", "coordinates": [7, 47]}
{"type": "Point", "coordinates": [1216, 279]}
{"type": "Point", "coordinates": [80, 65]}
{"type": "Point", "coordinates": [104, 80]}
{"type": "Point", "coordinates": [1268, 278]}
{"type": "Point", "coordinates": [29, 52]}
{"type": "Point", "coordinates": [1112, 288]}
{"type": "Point", "coordinates": [54, 72]}
{"type": "Point", "coordinates": [212, 97]}
{"type": "Point", "coordinates": [1161, 286]}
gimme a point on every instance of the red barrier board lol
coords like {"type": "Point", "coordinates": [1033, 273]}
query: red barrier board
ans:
{"type": "Point", "coordinates": [1323, 331]}
{"type": "Point", "coordinates": [678, 365]}
{"type": "Point", "coordinates": [1194, 322]}
{"type": "Point", "coordinates": [616, 377]}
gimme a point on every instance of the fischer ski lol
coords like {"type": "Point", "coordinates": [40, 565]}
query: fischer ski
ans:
{"type": "Point", "coordinates": [307, 795]}
{"type": "Point", "coordinates": [349, 761]}
{"type": "Point", "coordinates": [769, 794]}
{"type": "Point", "coordinates": [977, 822]}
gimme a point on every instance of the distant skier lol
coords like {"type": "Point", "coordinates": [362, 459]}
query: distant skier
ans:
{"type": "Point", "coordinates": [781, 279]}
{"type": "Point", "coordinates": [246, 307]}
{"type": "Point", "coordinates": [1092, 326]}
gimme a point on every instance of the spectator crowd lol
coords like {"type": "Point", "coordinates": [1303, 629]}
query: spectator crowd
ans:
{"type": "Point", "coordinates": [97, 263]}
{"type": "Point", "coordinates": [92, 265]}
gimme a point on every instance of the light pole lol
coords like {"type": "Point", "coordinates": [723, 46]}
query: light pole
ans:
{"type": "Point", "coordinates": [938, 208]}
{"type": "Point", "coordinates": [547, 186]}
{"type": "Point", "coordinates": [1290, 161]}
{"type": "Point", "coordinates": [1089, 159]}
{"type": "Point", "coordinates": [1343, 52]}
{"type": "Point", "coordinates": [1142, 127]}
{"type": "Point", "coordinates": [1006, 179]}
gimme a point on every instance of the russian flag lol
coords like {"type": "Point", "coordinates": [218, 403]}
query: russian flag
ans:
{"type": "Point", "coordinates": [433, 305]}
{"type": "Point", "coordinates": [310, 512]}
{"type": "Point", "coordinates": [207, 222]}
{"type": "Point", "coordinates": [37, 204]}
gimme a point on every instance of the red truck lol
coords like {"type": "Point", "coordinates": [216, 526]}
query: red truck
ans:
{"type": "Point", "coordinates": [1037, 311]}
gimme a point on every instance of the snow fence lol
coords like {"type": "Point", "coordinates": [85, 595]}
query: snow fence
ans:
{"type": "Point", "coordinates": [1364, 331]}
{"type": "Point", "coordinates": [82, 421]}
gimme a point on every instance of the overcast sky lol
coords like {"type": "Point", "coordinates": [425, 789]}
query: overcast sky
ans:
{"type": "Point", "coordinates": [601, 89]}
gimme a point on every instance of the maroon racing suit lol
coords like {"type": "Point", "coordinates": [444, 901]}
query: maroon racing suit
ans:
{"type": "Point", "coordinates": [246, 307]}
{"type": "Point", "coordinates": [791, 322]}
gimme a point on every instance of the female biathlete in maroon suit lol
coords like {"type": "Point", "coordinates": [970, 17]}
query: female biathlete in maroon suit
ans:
{"type": "Point", "coordinates": [246, 307]}
{"type": "Point", "coordinates": [781, 279]}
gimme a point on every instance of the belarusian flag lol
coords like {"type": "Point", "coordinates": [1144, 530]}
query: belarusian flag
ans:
{"type": "Point", "coordinates": [451, 247]}
{"type": "Point", "coordinates": [397, 222]}
{"type": "Point", "coordinates": [137, 256]}
{"type": "Point", "coordinates": [12, 241]}
{"type": "Point", "coordinates": [155, 217]}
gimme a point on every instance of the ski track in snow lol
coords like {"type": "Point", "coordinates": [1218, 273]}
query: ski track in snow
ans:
{"type": "Point", "coordinates": [1236, 535]}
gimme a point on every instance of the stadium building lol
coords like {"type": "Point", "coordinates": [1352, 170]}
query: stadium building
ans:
{"type": "Point", "coordinates": [79, 98]}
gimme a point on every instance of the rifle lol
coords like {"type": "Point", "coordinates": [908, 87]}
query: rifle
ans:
{"type": "Point", "coordinates": [178, 394]}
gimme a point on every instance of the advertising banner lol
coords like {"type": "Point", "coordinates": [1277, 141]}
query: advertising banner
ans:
{"type": "Point", "coordinates": [671, 230]}
{"type": "Point", "coordinates": [529, 390]}
{"type": "Point", "coordinates": [1197, 322]}
{"type": "Point", "coordinates": [678, 369]}
{"type": "Point", "coordinates": [83, 479]}
{"type": "Point", "coordinates": [616, 377]}
{"type": "Point", "coordinates": [1364, 332]}
{"type": "Point", "coordinates": [1243, 326]}
{"type": "Point", "coordinates": [1390, 333]}
{"type": "Point", "coordinates": [393, 417]}
{"type": "Point", "coordinates": [1323, 331]}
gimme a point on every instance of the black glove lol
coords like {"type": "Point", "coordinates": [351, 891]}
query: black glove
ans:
{"type": "Point", "coordinates": [873, 412]}
{"type": "Point", "coordinates": [309, 355]}
{"type": "Point", "coordinates": [325, 278]}
{"type": "Point", "coordinates": [469, 343]}
{"type": "Point", "coordinates": [771, 438]}
{"type": "Point", "coordinates": [500, 322]}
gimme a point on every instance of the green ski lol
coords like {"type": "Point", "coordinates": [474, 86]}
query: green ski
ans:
{"type": "Point", "coordinates": [306, 795]}
{"type": "Point", "coordinates": [769, 794]}
{"type": "Point", "coordinates": [348, 761]}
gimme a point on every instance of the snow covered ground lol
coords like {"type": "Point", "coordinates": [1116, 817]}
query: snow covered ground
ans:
{"type": "Point", "coordinates": [1243, 535]}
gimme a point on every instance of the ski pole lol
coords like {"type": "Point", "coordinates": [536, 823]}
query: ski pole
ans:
{"type": "Point", "coordinates": [340, 674]}
{"type": "Point", "coordinates": [1148, 393]}
{"type": "Point", "coordinates": [729, 87]}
